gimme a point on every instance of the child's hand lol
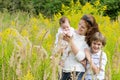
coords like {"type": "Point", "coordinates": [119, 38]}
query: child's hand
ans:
{"type": "Point", "coordinates": [83, 62]}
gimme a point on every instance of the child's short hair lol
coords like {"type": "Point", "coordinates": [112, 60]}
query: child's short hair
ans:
{"type": "Point", "coordinates": [63, 19]}
{"type": "Point", "coordinates": [99, 37]}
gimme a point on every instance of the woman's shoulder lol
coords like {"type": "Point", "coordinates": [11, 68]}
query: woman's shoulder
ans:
{"type": "Point", "coordinates": [77, 34]}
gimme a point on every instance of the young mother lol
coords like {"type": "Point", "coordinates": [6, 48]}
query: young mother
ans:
{"type": "Point", "coordinates": [72, 63]}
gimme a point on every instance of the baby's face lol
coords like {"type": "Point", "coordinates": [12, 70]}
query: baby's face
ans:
{"type": "Point", "coordinates": [65, 26]}
{"type": "Point", "coordinates": [66, 29]}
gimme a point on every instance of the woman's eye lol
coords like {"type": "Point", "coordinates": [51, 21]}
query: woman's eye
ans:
{"type": "Point", "coordinates": [83, 27]}
{"type": "Point", "coordinates": [80, 23]}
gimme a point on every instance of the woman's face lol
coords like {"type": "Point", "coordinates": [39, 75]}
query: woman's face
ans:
{"type": "Point", "coordinates": [82, 28]}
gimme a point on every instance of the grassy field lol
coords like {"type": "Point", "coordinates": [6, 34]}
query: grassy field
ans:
{"type": "Point", "coordinates": [26, 43]}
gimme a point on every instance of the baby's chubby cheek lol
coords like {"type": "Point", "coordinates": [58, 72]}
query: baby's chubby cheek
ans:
{"type": "Point", "coordinates": [68, 33]}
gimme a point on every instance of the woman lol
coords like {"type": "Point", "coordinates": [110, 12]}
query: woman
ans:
{"type": "Point", "coordinates": [73, 67]}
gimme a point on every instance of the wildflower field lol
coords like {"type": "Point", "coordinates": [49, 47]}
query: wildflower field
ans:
{"type": "Point", "coordinates": [27, 41]}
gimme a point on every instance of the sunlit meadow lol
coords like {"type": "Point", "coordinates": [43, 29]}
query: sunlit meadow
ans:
{"type": "Point", "coordinates": [26, 42]}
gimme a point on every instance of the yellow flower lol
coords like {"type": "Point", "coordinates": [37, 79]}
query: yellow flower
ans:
{"type": "Point", "coordinates": [14, 32]}
{"type": "Point", "coordinates": [13, 23]}
{"type": "Point", "coordinates": [47, 22]}
{"type": "Point", "coordinates": [6, 33]}
{"type": "Point", "coordinates": [72, 3]}
{"type": "Point", "coordinates": [28, 76]}
{"type": "Point", "coordinates": [40, 36]}
{"type": "Point", "coordinates": [63, 6]}
{"type": "Point", "coordinates": [4, 42]}
{"type": "Point", "coordinates": [0, 34]}
{"type": "Point", "coordinates": [49, 36]}
{"type": "Point", "coordinates": [24, 33]}
{"type": "Point", "coordinates": [35, 28]}
{"type": "Point", "coordinates": [78, 3]}
{"type": "Point", "coordinates": [34, 20]}
{"type": "Point", "coordinates": [104, 8]}
{"type": "Point", "coordinates": [19, 43]}
{"type": "Point", "coordinates": [97, 3]}
{"type": "Point", "coordinates": [87, 8]}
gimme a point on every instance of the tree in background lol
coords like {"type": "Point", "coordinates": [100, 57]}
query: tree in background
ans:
{"type": "Point", "coordinates": [51, 7]}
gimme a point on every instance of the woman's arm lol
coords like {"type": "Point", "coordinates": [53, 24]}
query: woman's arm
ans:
{"type": "Point", "coordinates": [72, 44]}
{"type": "Point", "coordinates": [73, 47]}
{"type": "Point", "coordinates": [79, 54]}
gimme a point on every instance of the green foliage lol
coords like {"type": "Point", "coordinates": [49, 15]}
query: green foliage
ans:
{"type": "Point", "coordinates": [113, 8]}
{"type": "Point", "coordinates": [47, 7]}
{"type": "Point", "coordinates": [51, 7]}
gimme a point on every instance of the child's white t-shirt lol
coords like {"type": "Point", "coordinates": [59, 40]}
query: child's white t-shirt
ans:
{"type": "Point", "coordinates": [96, 61]}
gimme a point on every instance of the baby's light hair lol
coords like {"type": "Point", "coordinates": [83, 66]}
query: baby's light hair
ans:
{"type": "Point", "coordinates": [63, 20]}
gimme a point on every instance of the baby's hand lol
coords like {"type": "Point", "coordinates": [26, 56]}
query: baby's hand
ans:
{"type": "Point", "coordinates": [52, 57]}
{"type": "Point", "coordinates": [61, 63]}
{"type": "Point", "coordinates": [67, 33]}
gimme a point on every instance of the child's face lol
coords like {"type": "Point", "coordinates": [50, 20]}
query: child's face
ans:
{"type": "Point", "coordinates": [96, 46]}
{"type": "Point", "coordinates": [82, 27]}
{"type": "Point", "coordinates": [65, 26]}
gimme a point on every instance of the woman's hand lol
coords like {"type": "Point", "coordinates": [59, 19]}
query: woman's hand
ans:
{"type": "Point", "coordinates": [67, 38]}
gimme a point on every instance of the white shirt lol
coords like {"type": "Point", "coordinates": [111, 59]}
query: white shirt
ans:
{"type": "Point", "coordinates": [60, 31]}
{"type": "Point", "coordinates": [72, 62]}
{"type": "Point", "coordinates": [59, 42]}
{"type": "Point", "coordinates": [96, 61]}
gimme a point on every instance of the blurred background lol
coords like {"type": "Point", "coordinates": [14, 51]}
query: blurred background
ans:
{"type": "Point", "coordinates": [28, 29]}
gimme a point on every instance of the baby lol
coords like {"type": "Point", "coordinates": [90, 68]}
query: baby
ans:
{"type": "Point", "coordinates": [64, 29]}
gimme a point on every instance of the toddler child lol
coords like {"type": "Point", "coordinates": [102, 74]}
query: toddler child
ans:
{"type": "Point", "coordinates": [96, 58]}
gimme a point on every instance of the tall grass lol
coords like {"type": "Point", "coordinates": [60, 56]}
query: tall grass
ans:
{"type": "Point", "coordinates": [26, 42]}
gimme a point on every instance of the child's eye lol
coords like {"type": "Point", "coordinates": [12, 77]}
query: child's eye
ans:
{"type": "Point", "coordinates": [98, 44]}
{"type": "Point", "coordinates": [94, 43]}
